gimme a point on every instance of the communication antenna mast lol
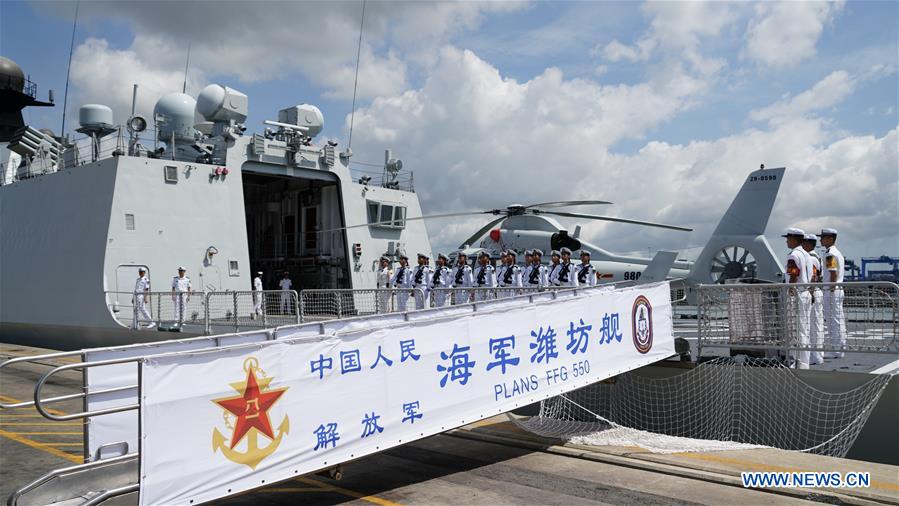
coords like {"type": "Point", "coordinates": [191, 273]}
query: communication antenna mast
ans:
{"type": "Point", "coordinates": [356, 79]}
{"type": "Point", "coordinates": [65, 96]}
{"type": "Point", "coordinates": [186, 65]}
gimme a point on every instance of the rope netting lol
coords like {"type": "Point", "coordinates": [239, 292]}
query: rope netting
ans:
{"type": "Point", "coordinates": [724, 404]}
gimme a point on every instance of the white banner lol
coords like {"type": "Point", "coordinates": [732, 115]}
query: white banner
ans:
{"type": "Point", "coordinates": [219, 422]}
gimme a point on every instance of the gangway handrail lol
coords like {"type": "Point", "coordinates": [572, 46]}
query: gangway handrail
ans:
{"type": "Point", "coordinates": [33, 358]}
{"type": "Point", "coordinates": [38, 402]}
{"type": "Point", "coordinates": [14, 497]}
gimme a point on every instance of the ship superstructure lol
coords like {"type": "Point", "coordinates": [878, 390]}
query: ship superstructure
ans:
{"type": "Point", "coordinates": [80, 218]}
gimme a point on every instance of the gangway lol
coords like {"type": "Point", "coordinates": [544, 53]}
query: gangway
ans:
{"type": "Point", "coordinates": [192, 420]}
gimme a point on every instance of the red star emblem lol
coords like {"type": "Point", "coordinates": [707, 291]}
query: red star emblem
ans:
{"type": "Point", "coordinates": [251, 408]}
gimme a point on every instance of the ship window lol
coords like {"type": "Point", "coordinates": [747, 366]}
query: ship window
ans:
{"type": "Point", "coordinates": [232, 268]}
{"type": "Point", "coordinates": [386, 214]}
{"type": "Point", "coordinates": [129, 221]}
{"type": "Point", "coordinates": [171, 174]}
{"type": "Point", "coordinates": [373, 211]}
{"type": "Point", "coordinates": [399, 217]}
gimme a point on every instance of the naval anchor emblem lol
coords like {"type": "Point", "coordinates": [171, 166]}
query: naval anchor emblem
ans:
{"type": "Point", "coordinates": [641, 322]}
{"type": "Point", "coordinates": [246, 414]}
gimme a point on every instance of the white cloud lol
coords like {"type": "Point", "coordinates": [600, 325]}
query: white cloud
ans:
{"type": "Point", "coordinates": [785, 33]}
{"type": "Point", "coordinates": [479, 140]}
{"type": "Point", "coordinates": [615, 51]}
{"type": "Point", "coordinates": [824, 94]}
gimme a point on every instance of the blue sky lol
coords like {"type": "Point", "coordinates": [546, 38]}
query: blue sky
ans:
{"type": "Point", "coordinates": [618, 93]}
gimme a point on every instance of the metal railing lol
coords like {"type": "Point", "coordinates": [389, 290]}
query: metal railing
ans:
{"type": "Point", "coordinates": [205, 312]}
{"type": "Point", "coordinates": [817, 317]}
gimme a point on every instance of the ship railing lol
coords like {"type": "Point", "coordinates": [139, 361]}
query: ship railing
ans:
{"type": "Point", "coordinates": [771, 319]}
{"type": "Point", "coordinates": [205, 312]}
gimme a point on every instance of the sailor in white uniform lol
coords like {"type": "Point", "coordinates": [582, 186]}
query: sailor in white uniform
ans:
{"type": "Point", "coordinates": [586, 274]}
{"type": "Point", "coordinates": [554, 268]}
{"type": "Point", "coordinates": [257, 295]}
{"type": "Point", "coordinates": [461, 278]}
{"type": "Point", "coordinates": [440, 280]}
{"type": "Point", "coordinates": [797, 271]}
{"type": "Point", "coordinates": [286, 284]}
{"type": "Point", "coordinates": [483, 277]}
{"type": "Point", "coordinates": [421, 278]}
{"type": "Point", "coordinates": [834, 265]}
{"type": "Point", "coordinates": [141, 299]}
{"type": "Point", "coordinates": [537, 275]}
{"type": "Point", "coordinates": [181, 290]}
{"type": "Point", "coordinates": [567, 275]}
{"type": "Point", "coordinates": [498, 272]}
{"type": "Point", "coordinates": [816, 332]}
{"type": "Point", "coordinates": [526, 268]}
{"type": "Point", "coordinates": [511, 275]}
{"type": "Point", "coordinates": [402, 282]}
{"type": "Point", "coordinates": [384, 275]}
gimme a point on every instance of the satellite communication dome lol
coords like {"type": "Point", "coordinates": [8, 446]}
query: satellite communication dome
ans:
{"type": "Point", "coordinates": [177, 109]}
{"type": "Point", "coordinates": [95, 116]}
{"type": "Point", "coordinates": [221, 103]}
{"type": "Point", "coordinates": [310, 117]}
{"type": "Point", "coordinates": [11, 75]}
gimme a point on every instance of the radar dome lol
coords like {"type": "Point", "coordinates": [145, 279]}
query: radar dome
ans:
{"type": "Point", "coordinates": [221, 103]}
{"type": "Point", "coordinates": [11, 75]}
{"type": "Point", "coordinates": [177, 112]}
{"type": "Point", "coordinates": [95, 116]}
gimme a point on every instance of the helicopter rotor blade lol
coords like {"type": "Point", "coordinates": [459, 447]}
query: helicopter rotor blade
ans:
{"type": "Point", "coordinates": [481, 232]}
{"type": "Point", "coordinates": [610, 218]}
{"type": "Point", "coordinates": [426, 217]}
{"type": "Point", "coordinates": [564, 203]}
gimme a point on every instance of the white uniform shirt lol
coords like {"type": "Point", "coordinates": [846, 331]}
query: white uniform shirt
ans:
{"type": "Point", "coordinates": [461, 277]}
{"type": "Point", "coordinates": [421, 276]}
{"type": "Point", "coordinates": [500, 270]}
{"type": "Point", "coordinates": [402, 277]}
{"type": "Point", "coordinates": [257, 284]}
{"type": "Point", "coordinates": [440, 278]}
{"type": "Point", "coordinates": [525, 272]}
{"type": "Point", "coordinates": [570, 274]}
{"type": "Point", "coordinates": [586, 274]}
{"type": "Point", "coordinates": [384, 276]}
{"type": "Point", "coordinates": [833, 262]}
{"type": "Point", "coordinates": [536, 276]}
{"type": "Point", "coordinates": [800, 258]}
{"type": "Point", "coordinates": [511, 276]}
{"type": "Point", "coordinates": [285, 284]}
{"type": "Point", "coordinates": [142, 285]}
{"type": "Point", "coordinates": [483, 276]}
{"type": "Point", "coordinates": [180, 284]}
{"type": "Point", "coordinates": [817, 274]}
{"type": "Point", "coordinates": [553, 275]}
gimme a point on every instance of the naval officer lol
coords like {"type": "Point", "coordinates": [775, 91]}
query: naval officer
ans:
{"type": "Point", "coordinates": [402, 282]}
{"type": "Point", "coordinates": [462, 278]}
{"type": "Point", "coordinates": [440, 280]}
{"type": "Point", "coordinates": [483, 277]}
{"type": "Point", "coordinates": [511, 275]}
{"type": "Point", "coordinates": [800, 299]}
{"type": "Point", "coordinates": [140, 299]}
{"type": "Point", "coordinates": [257, 295]}
{"type": "Point", "coordinates": [555, 266]}
{"type": "Point", "coordinates": [384, 275]}
{"type": "Point", "coordinates": [421, 277]}
{"type": "Point", "coordinates": [526, 268]}
{"type": "Point", "coordinates": [833, 296]}
{"type": "Point", "coordinates": [286, 284]}
{"type": "Point", "coordinates": [537, 274]}
{"type": "Point", "coordinates": [816, 331]}
{"type": "Point", "coordinates": [566, 273]}
{"type": "Point", "coordinates": [498, 272]}
{"type": "Point", "coordinates": [586, 274]}
{"type": "Point", "coordinates": [181, 290]}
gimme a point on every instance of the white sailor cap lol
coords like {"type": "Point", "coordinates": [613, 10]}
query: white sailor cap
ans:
{"type": "Point", "coordinates": [484, 253]}
{"type": "Point", "coordinates": [422, 255]}
{"type": "Point", "coordinates": [404, 257]}
{"type": "Point", "coordinates": [141, 269]}
{"type": "Point", "coordinates": [794, 232]}
{"type": "Point", "coordinates": [828, 231]}
{"type": "Point", "coordinates": [528, 252]}
{"type": "Point", "coordinates": [441, 255]}
{"type": "Point", "coordinates": [555, 253]}
{"type": "Point", "coordinates": [565, 251]}
{"type": "Point", "coordinates": [259, 272]}
{"type": "Point", "coordinates": [537, 252]}
{"type": "Point", "coordinates": [503, 253]}
{"type": "Point", "coordinates": [181, 269]}
{"type": "Point", "coordinates": [461, 254]}
{"type": "Point", "coordinates": [584, 252]}
{"type": "Point", "coordinates": [810, 237]}
{"type": "Point", "coordinates": [512, 252]}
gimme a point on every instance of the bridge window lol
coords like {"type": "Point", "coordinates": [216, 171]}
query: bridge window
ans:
{"type": "Point", "coordinates": [386, 215]}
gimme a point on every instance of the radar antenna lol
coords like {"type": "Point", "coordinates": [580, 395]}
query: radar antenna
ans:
{"type": "Point", "coordinates": [356, 79]}
{"type": "Point", "coordinates": [186, 65]}
{"type": "Point", "coordinates": [65, 95]}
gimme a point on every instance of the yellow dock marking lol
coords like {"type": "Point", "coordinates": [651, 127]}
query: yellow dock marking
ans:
{"type": "Point", "coordinates": [48, 433]}
{"type": "Point", "coordinates": [325, 487]}
{"type": "Point", "coordinates": [19, 437]}
{"type": "Point", "coordinates": [770, 468]}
